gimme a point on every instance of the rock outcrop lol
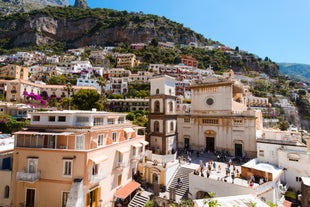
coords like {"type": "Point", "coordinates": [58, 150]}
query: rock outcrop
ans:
{"type": "Point", "coordinates": [76, 27]}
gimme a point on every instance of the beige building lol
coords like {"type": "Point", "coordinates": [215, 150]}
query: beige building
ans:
{"type": "Point", "coordinates": [6, 154]}
{"type": "Point", "coordinates": [20, 90]}
{"type": "Point", "coordinates": [76, 159]}
{"type": "Point", "coordinates": [127, 60]}
{"type": "Point", "coordinates": [14, 72]}
{"type": "Point", "coordinates": [219, 118]}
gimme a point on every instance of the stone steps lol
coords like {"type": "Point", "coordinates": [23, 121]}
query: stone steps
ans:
{"type": "Point", "coordinates": [138, 200]}
{"type": "Point", "coordinates": [181, 190]}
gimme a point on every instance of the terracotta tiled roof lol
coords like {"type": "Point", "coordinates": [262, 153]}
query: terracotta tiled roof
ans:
{"type": "Point", "coordinates": [126, 190]}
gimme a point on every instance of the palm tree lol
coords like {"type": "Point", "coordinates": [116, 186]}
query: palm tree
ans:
{"type": "Point", "coordinates": [102, 81]}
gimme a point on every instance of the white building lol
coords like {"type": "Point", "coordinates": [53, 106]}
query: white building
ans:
{"type": "Point", "coordinates": [287, 150]}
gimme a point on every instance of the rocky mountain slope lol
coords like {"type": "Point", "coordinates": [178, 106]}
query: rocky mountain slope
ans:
{"type": "Point", "coordinates": [72, 27]}
{"type": "Point", "coordinates": [14, 6]}
{"type": "Point", "coordinates": [76, 27]}
{"type": "Point", "coordinates": [296, 71]}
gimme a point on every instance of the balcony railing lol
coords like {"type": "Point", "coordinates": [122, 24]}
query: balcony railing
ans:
{"type": "Point", "coordinates": [28, 177]}
{"type": "Point", "coordinates": [97, 178]}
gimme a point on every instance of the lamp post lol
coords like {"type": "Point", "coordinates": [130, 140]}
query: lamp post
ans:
{"type": "Point", "coordinates": [69, 90]}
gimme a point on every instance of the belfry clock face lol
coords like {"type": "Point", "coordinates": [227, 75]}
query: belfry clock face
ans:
{"type": "Point", "coordinates": [209, 101]}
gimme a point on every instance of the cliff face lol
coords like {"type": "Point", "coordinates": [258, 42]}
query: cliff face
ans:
{"type": "Point", "coordinates": [67, 27]}
{"type": "Point", "coordinates": [15, 6]}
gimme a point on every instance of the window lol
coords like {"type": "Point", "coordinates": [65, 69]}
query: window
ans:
{"type": "Point", "coordinates": [156, 126]}
{"type": "Point", "coordinates": [170, 106]}
{"type": "Point", "coordinates": [32, 165]}
{"type": "Point", "coordinates": [121, 120]}
{"type": "Point", "coordinates": [79, 142]}
{"type": "Point", "coordinates": [261, 153]}
{"type": "Point", "coordinates": [210, 121]}
{"type": "Point", "coordinates": [171, 126]}
{"type": "Point", "coordinates": [67, 167]}
{"type": "Point", "coordinates": [114, 136]}
{"type": "Point", "coordinates": [51, 118]}
{"type": "Point", "coordinates": [187, 120]}
{"type": "Point", "coordinates": [65, 196]}
{"type": "Point", "coordinates": [36, 118]}
{"type": "Point", "coordinates": [95, 169]}
{"type": "Point", "coordinates": [119, 180]}
{"type": "Point", "coordinates": [82, 119]}
{"type": "Point", "coordinates": [157, 91]}
{"type": "Point", "coordinates": [6, 192]}
{"type": "Point", "coordinates": [238, 121]}
{"type": "Point", "coordinates": [61, 119]}
{"type": "Point", "coordinates": [157, 106]}
{"type": "Point", "coordinates": [98, 121]}
{"type": "Point", "coordinates": [110, 121]}
{"type": "Point", "coordinates": [100, 140]}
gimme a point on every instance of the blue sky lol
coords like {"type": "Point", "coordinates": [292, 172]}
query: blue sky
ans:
{"type": "Point", "coordinates": [278, 29]}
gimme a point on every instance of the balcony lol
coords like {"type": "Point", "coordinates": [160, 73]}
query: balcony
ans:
{"type": "Point", "coordinates": [97, 178]}
{"type": "Point", "coordinates": [136, 158]}
{"type": "Point", "coordinates": [28, 177]}
{"type": "Point", "coordinates": [120, 166]}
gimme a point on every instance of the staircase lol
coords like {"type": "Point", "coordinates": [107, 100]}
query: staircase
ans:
{"type": "Point", "coordinates": [181, 190]}
{"type": "Point", "coordinates": [139, 200]}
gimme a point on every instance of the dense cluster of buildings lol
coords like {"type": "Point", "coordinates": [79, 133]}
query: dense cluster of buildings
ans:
{"type": "Point", "coordinates": [73, 158]}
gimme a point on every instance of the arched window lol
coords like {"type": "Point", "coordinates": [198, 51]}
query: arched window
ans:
{"type": "Point", "coordinates": [156, 126]}
{"type": "Point", "coordinates": [171, 126]}
{"type": "Point", "coordinates": [6, 191]}
{"type": "Point", "coordinates": [156, 106]}
{"type": "Point", "coordinates": [157, 91]}
{"type": "Point", "coordinates": [170, 106]}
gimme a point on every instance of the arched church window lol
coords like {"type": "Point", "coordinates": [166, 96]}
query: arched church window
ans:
{"type": "Point", "coordinates": [170, 106]}
{"type": "Point", "coordinates": [156, 126]}
{"type": "Point", "coordinates": [156, 106]}
{"type": "Point", "coordinates": [171, 126]}
{"type": "Point", "coordinates": [157, 91]}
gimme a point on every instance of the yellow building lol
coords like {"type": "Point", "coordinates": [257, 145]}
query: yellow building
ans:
{"type": "Point", "coordinates": [76, 158]}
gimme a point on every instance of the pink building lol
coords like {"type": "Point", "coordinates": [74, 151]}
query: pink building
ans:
{"type": "Point", "coordinates": [76, 158]}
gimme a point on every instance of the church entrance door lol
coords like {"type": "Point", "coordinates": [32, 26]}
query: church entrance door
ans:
{"type": "Point", "coordinates": [210, 144]}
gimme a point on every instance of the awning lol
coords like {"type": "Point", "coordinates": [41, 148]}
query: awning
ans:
{"type": "Point", "coordinates": [144, 142]}
{"type": "Point", "coordinates": [136, 145]}
{"type": "Point", "coordinates": [293, 156]}
{"type": "Point", "coordinates": [124, 149]}
{"type": "Point", "coordinates": [129, 130]}
{"type": "Point", "coordinates": [126, 190]}
{"type": "Point", "coordinates": [99, 159]}
{"type": "Point", "coordinates": [44, 133]}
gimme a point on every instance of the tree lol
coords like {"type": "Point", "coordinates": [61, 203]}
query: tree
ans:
{"type": "Point", "coordinates": [149, 204]}
{"type": "Point", "coordinates": [86, 99]}
{"type": "Point", "coordinates": [9, 125]}
{"type": "Point", "coordinates": [283, 125]}
{"type": "Point", "coordinates": [211, 201]}
{"type": "Point", "coordinates": [154, 42]}
{"type": "Point", "coordinates": [57, 80]}
{"type": "Point", "coordinates": [186, 203]}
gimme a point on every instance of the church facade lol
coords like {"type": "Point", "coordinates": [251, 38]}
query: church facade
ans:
{"type": "Point", "coordinates": [219, 118]}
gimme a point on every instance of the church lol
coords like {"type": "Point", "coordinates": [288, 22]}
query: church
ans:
{"type": "Point", "coordinates": [218, 120]}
